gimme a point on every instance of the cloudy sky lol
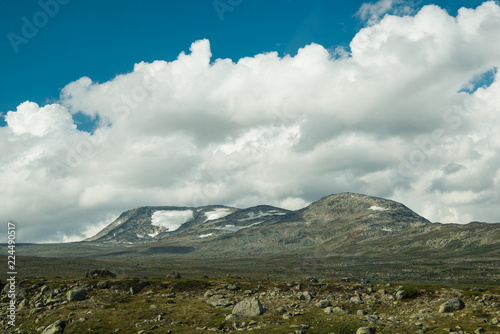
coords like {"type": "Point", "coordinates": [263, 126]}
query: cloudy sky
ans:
{"type": "Point", "coordinates": [107, 107]}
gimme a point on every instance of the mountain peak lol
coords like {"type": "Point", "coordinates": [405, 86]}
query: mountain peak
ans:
{"type": "Point", "coordinates": [358, 207]}
{"type": "Point", "coordinates": [154, 223]}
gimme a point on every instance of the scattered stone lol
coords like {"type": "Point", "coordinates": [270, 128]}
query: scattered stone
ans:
{"type": "Point", "coordinates": [233, 287]}
{"type": "Point", "coordinates": [451, 305]}
{"type": "Point", "coordinates": [361, 312]}
{"type": "Point", "coordinates": [328, 310]}
{"type": "Point", "coordinates": [76, 295]}
{"type": "Point", "coordinates": [174, 275]}
{"type": "Point", "coordinates": [249, 307]}
{"type": "Point", "coordinates": [55, 328]}
{"type": "Point", "coordinates": [366, 330]}
{"type": "Point", "coordinates": [480, 330]}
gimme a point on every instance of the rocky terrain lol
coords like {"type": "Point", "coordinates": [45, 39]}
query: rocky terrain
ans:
{"type": "Point", "coordinates": [105, 303]}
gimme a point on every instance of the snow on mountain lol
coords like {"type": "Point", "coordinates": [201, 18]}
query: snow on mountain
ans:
{"type": "Point", "coordinates": [217, 213]}
{"type": "Point", "coordinates": [171, 220]}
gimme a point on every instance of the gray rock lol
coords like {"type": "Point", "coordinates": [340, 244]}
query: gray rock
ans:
{"type": "Point", "coordinates": [400, 295]}
{"type": "Point", "coordinates": [104, 285]}
{"type": "Point", "coordinates": [366, 330]}
{"type": "Point", "coordinates": [338, 310]}
{"type": "Point", "coordinates": [306, 295]}
{"type": "Point", "coordinates": [134, 289]}
{"type": "Point", "coordinates": [480, 330]}
{"type": "Point", "coordinates": [21, 291]}
{"type": "Point", "coordinates": [451, 305]}
{"type": "Point", "coordinates": [249, 307]}
{"type": "Point", "coordinates": [323, 304]}
{"type": "Point", "coordinates": [233, 317]}
{"type": "Point", "coordinates": [55, 328]}
{"type": "Point", "coordinates": [76, 295]}
{"type": "Point", "coordinates": [219, 301]}
{"type": "Point", "coordinates": [281, 310]}
{"type": "Point", "coordinates": [208, 293]}
{"type": "Point", "coordinates": [99, 273]}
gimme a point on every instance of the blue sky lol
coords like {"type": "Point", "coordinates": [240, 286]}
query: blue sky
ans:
{"type": "Point", "coordinates": [120, 104]}
{"type": "Point", "coordinates": [101, 39]}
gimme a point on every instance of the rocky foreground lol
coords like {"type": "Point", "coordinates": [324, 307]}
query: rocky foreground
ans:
{"type": "Point", "coordinates": [102, 303]}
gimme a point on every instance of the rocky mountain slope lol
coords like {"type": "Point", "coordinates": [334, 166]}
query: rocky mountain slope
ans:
{"type": "Point", "coordinates": [340, 235]}
{"type": "Point", "coordinates": [147, 224]}
{"type": "Point", "coordinates": [343, 223]}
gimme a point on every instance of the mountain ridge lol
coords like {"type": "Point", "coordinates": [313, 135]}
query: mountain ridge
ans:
{"type": "Point", "coordinates": [338, 235]}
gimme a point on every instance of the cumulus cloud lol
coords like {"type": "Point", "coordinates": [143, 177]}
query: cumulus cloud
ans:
{"type": "Point", "coordinates": [372, 12]}
{"type": "Point", "coordinates": [390, 119]}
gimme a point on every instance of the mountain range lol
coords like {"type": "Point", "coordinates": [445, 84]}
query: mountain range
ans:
{"type": "Point", "coordinates": [342, 234]}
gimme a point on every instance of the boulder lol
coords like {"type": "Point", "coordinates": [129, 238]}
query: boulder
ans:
{"type": "Point", "coordinates": [323, 304]}
{"type": "Point", "coordinates": [134, 289]}
{"type": "Point", "coordinates": [219, 301]}
{"type": "Point", "coordinates": [104, 284]}
{"type": "Point", "coordinates": [366, 330]}
{"type": "Point", "coordinates": [99, 273]}
{"type": "Point", "coordinates": [451, 305]}
{"type": "Point", "coordinates": [249, 307]}
{"type": "Point", "coordinates": [306, 295]}
{"type": "Point", "coordinates": [76, 295]}
{"type": "Point", "coordinates": [55, 328]}
{"type": "Point", "coordinates": [338, 310]}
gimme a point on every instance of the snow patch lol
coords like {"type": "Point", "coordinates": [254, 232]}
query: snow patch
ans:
{"type": "Point", "coordinates": [171, 220]}
{"type": "Point", "coordinates": [387, 230]}
{"type": "Point", "coordinates": [233, 228]}
{"type": "Point", "coordinates": [152, 235]}
{"type": "Point", "coordinates": [217, 213]}
{"type": "Point", "coordinates": [378, 208]}
{"type": "Point", "coordinates": [206, 235]}
{"type": "Point", "coordinates": [140, 236]}
{"type": "Point", "coordinates": [253, 215]}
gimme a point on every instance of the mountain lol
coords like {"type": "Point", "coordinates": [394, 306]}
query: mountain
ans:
{"type": "Point", "coordinates": [342, 234]}
{"type": "Point", "coordinates": [154, 223]}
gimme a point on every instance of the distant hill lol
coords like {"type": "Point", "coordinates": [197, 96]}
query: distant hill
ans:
{"type": "Point", "coordinates": [342, 234]}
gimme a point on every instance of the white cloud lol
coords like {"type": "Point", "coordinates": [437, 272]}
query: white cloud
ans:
{"type": "Point", "coordinates": [387, 120]}
{"type": "Point", "coordinates": [372, 12]}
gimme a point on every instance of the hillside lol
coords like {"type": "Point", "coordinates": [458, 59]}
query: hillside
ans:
{"type": "Point", "coordinates": [339, 235]}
